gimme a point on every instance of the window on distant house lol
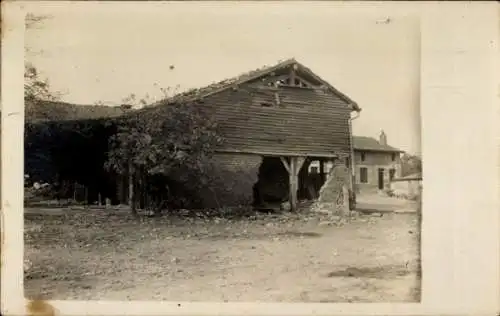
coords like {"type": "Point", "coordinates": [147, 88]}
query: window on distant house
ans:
{"type": "Point", "coordinates": [363, 157]}
{"type": "Point", "coordinates": [392, 173]}
{"type": "Point", "coordinates": [363, 175]}
{"type": "Point", "coordinates": [393, 157]}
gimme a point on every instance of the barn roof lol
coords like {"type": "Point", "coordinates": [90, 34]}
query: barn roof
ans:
{"type": "Point", "coordinates": [364, 143]}
{"type": "Point", "coordinates": [254, 116]}
{"type": "Point", "coordinates": [200, 93]}
{"type": "Point", "coordinates": [42, 110]}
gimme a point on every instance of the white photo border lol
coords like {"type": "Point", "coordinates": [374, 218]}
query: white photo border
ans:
{"type": "Point", "coordinates": [459, 94]}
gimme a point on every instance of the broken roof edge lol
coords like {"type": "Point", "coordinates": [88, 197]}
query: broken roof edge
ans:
{"type": "Point", "coordinates": [351, 103]}
{"type": "Point", "coordinates": [248, 76]}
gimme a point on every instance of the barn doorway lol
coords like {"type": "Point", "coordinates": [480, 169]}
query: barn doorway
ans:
{"type": "Point", "coordinates": [272, 186]}
{"type": "Point", "coordinates": [381, 178]}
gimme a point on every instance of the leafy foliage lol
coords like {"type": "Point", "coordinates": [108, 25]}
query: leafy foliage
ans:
{"type": "Point", "coordinates": [410, 164]}
{"type": "Point", "coordinates": [174, 140]}
{"type": "Point", "coordinates": [167, 145]}
{"type": "Point", "coordinates": [34, 20]}
{"type": "Point", "coordinates": [35, 87]}
{"type": "Point", "coordinates": [70, 151]}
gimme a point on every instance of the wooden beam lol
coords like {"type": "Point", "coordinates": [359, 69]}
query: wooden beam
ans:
{"type": "Point", "coordinates": [300, 162]}
{"type": "Point", "coordinates": [293, 183]}
{"type": "Point", "coordinates": [304, 175]}
{"type": "Point", "coordinates": [295, 165]}
{"type": "Point", "coordinates": [307, 83]}
{"type": "Point", "coordinates": [274, 79]}
{"type": "Point", "coordinates": [293, 179]}
{"type": "Point", "coordinates": [274, 154]}
{"type": "Point", "coordinates": [292, 77]}
{"type": "Point", "coordinates": [322, 170]}
{"type": "Point", "coordinates": [285, 164]}
{"type": "Point", "coordinates": [277, 99]}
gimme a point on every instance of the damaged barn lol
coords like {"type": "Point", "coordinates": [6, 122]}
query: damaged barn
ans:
{"type": "Point", "coordinates": [275, 122]}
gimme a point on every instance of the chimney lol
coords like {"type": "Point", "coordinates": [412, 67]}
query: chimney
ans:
{"type": "Point", "coordinates": [382, 138]}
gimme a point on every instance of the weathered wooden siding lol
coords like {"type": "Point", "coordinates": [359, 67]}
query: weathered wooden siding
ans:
{"type": "Point", "coordinates": [308, 122]}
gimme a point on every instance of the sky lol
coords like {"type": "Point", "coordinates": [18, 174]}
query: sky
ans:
{"type": "Point", "coordinates": [105, 51]}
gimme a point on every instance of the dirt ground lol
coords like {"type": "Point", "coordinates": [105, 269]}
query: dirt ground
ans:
{"type": "Point", "coordinates": [107, 255]}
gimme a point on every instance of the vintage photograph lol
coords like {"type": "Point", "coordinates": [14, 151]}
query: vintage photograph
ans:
{"type": "Point", "coordinates": [225, 152]}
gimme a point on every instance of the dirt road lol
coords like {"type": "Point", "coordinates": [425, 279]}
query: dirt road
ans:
{"type": "Point", "coordinates": [289, 258]}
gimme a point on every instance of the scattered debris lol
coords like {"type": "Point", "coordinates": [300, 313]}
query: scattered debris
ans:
{"type": "Point", "coordinates": [285, 206]}
{"type": "Point", "coordinates": [127, 251]}
{"type": "Point", "coordinates": [175, 260]}
{"type": "Point", "coordinates": [300, 234]}
{"type": "Point", "coordinates": [325, 223]}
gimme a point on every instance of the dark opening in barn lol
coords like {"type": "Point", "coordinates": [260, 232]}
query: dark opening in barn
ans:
{"type": "Point", "coordinates": [272, 187]}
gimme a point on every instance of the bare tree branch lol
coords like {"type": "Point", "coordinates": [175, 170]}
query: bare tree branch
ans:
{"type": "Point", "coordinates": [33, 21]}
{"type": "Point", "coordinates": [36, 87]}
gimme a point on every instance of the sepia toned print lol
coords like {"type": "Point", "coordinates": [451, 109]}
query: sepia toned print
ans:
{"type": "Point", "coordinates": [295, 177]}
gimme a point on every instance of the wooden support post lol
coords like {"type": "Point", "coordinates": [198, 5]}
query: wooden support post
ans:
{"type": "Point", "coordinates": [292, 77]}
{"type": "Point", "coordinates": [300, 163]}
{"type": "Point", "coordinates": [293, 184]}
{"type": "Point", "coordinates": [86, 197]}
{"type": "Point", "coordinates": [304, 174]}
{"type": "Point", "coordinates": [293, 169]}
{"type": "Point", "coordinates": [131, 188]}
{"type": "Point", "coordinates": [285, 164]}
{"type": "Point", "coordinates": [322, 170]}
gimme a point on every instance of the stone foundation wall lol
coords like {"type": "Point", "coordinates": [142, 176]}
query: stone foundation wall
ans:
{"type": "Point", "coordinates": [232, 177]}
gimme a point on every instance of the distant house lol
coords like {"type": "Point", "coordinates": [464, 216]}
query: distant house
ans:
{"type": "Point", "coordinates": [376, 163]}
{"type": "Point", "coordinates": [408, 186]}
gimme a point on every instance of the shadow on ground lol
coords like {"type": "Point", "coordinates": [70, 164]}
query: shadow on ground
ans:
{"type": "Point", "coordinates": [380, 272]}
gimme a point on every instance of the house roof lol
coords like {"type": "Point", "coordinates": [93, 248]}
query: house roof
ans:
{"type": "Point", "coordinates": [365, 143]}
{"type": "Point", "coordinates": [200, 93]}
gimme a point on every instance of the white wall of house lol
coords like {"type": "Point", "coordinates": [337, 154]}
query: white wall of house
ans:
{"type": "Point", "coordinates": [368, 164]}
{"type": "Point", "coordinates": [406, 187]}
